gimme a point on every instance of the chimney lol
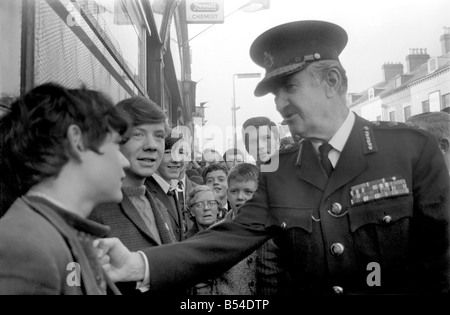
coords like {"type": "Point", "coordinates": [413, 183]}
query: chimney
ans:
{"type": "Point", "coordinates": [416, 57]}
{"type": "Point", "coordinates": [445, 41]}
{"type": "Point", "coordinates": [390, 70]}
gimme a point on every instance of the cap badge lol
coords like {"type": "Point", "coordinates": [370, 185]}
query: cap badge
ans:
{"type": "Point", "coordinates": [268, 60]}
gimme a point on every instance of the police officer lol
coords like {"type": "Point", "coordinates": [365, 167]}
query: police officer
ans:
{"type": "Point", "coordinates": [356, 207]}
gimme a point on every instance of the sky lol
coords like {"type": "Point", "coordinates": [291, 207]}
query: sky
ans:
{"type": "Point", "coordinates": [379, 31]}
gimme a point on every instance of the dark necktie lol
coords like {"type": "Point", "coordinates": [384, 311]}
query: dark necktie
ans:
{"type": "Point", "coordinates": [184, 211]}
{"type": "Point", "coordinates": [173, 199]}
{"type": "Point", "coordinates": [181, 194]}
{"type": "Point", "coordinates": [176, 206]}
{"type": "Point", "coordinates": [324, 149]}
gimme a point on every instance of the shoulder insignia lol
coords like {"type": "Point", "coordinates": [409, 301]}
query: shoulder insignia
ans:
{"type": "Point", "coordinates": [389, 125]}
{"type": "Point", "coordinates": [288, 147]}
{"type": "Point", "coordinates": [375, 123]}
{"type": "Point", "coordinates": [368, 140]}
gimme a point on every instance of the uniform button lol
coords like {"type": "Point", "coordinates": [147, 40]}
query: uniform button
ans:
{"type": "Point", "coordinates": [283, 225]}
{"type": "Point", "coordinates": [387, 219]}
{"type": "Point", "coordinates": [336, 208]}
{"type": "Point", "coordinates": [338, 290]}
{"type": "Point", "coordinates": [337, 249]}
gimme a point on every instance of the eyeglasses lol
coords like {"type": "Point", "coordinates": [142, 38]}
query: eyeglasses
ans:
{"type": "Point", "coordinates": [202, 204]}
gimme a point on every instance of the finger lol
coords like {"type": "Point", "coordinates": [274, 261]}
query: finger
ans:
{"type": "Point", "coordinates": [106, 243]}
{"type": "Point", "coordinates": [104, 260]}
{"type": "Point", "coordinates": [100, 253]}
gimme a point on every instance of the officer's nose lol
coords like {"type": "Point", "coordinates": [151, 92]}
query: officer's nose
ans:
{"type": "Point", "coordinates": [280, 99]}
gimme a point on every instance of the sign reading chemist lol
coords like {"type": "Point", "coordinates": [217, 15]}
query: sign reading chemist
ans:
{"type": "Point", "coordinates": [204, 12]}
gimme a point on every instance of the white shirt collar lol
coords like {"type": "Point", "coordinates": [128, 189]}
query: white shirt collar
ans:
{"type": "Point", "coordinates": [339, 139]}
{"type": "Point", "coordinates": [341, 136]}
{"type": "Point", "coordinates": [165, 186]}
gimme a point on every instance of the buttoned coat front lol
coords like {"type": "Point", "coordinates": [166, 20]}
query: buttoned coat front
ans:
{"type": "Point", "coordinates": [394, 244]}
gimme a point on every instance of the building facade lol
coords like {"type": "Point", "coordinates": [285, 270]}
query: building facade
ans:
{"type": "Point", "coordinates": [123, 48]}
{"type": "Point", "coordinates": [424, 87]}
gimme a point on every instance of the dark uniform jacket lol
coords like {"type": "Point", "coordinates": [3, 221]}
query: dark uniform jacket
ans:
{"type": "Point", "coordinates": [344, 234]}
{"type": "Point", "coordinates": [41, 246]}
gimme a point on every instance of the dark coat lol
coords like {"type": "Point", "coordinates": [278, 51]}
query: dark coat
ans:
{"type": "Point", "coordinates": [39, 244]}
{"type": "Point", "coordinates": [175, 214]}
{"type": "Point", "coordinates": [405, 234]}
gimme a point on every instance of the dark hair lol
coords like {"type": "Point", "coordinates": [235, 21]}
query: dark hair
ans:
{"type": "Point", "coordinates": [142, 111]}
{"type": "Point", "coordinates": [232, 151]}
{"type": "Point", "coordinates": [170, 141]}
{"type": "Point", "coordinates": [243, 172]}
{"type": "Point", "coordinates": [258, 122]}
{"type": "Point", "coordinates": [33, 141]}
{"type": "Point", "coordinates": [214, 167]}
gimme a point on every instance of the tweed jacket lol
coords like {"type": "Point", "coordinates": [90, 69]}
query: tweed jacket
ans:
{"type": "Point", "coordinates": [336, 236]}
{"type": "Point", "coordinates": [40, 247]}
{"type": "Point", "coordinates": [126, 223]}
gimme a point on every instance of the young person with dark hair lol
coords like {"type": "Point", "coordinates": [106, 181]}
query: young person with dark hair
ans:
{"type": "Point", "coordinates": [261, 138]}
{"type": "Point", "coordinates": [60, 150]}
{"type": "Point", "coordinates": [163, 184]}
{"type": "Point", "coordinates": [215, 176]}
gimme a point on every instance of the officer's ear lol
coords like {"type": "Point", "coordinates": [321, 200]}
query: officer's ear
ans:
{"type": "Point", "coordinates": [334, 81]}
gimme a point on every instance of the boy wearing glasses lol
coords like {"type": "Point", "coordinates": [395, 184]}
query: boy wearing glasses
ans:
{"type": "Point", "coordinates": [215, 176]}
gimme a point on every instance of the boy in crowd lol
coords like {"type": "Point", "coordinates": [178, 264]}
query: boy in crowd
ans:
{"type": "Point", "coordinates": [163, 185]}
{"type": "Point", "coordinates": [261, 138]}
{"type": "Point", "coordinates": [215, 176]}
{"type": "Point", "coordinates": [140, 220]}
{"type": "Point", "coordinates": [60, 152]}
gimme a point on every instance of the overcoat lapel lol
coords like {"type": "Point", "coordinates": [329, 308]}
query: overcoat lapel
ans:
{"type": "Point", "coordinates": [309, 168]}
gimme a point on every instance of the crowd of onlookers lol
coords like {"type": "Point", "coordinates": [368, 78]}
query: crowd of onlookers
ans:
{"type": "Point", "coordinates": [166, 197]}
